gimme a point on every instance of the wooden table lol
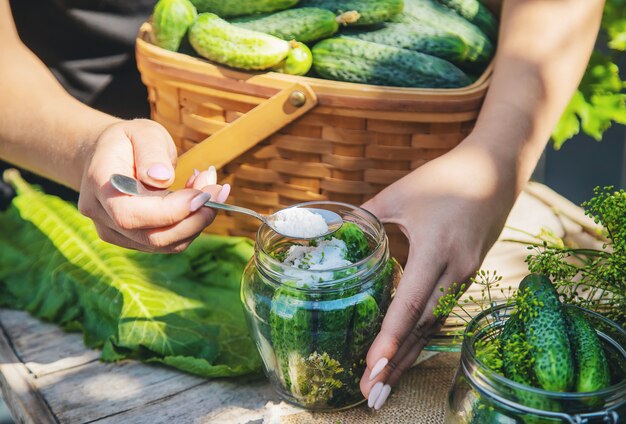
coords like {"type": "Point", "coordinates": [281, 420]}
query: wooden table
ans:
{"type": "Point", "coordinates": [49, 376]}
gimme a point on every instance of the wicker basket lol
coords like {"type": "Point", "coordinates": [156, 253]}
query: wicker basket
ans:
{"type": "Point", "coordinates": [281, 140]}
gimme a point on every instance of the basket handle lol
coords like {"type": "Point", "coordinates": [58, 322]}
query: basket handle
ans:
{"type": "Point", "coordinates": [247, 131]}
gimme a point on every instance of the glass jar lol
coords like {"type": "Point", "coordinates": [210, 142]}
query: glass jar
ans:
{"type": "Point", "coordinates": [313, 328]}
{"type": "Point", "coordinates": [480, 395]}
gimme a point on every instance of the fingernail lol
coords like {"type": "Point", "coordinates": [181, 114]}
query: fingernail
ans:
{"type": "Point", "coordinates": [212, 175]}
{"type": "Point", "coordinates": [221, 198]}
{"type": "Point", "coordinates": [384, 394]}
{"type": "Point", "coordinates": [159, 172]}
{"type": "Point", "coordinates": [190, 181]}
{"type": "Point", "coordinates": [196, 172]}
{"type": "Point", "coordinates": [380, 365]}
{"type": "Point", "coordinates": [198, 201]}
{"type": "Point", "coordinates": [374, 393]}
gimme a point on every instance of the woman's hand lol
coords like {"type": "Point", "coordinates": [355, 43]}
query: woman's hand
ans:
{"type": "Point", "coordinates": [162, 223]}
{"type": "Point", "coordinates": [451, 210]}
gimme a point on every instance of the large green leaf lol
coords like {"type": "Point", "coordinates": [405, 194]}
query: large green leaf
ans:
{"type": "Point", "coordinates": [600, 99]}
{"type": "Point", "coordinates": [181, 310]}
{"type": "Point", "coordinates": [597, 103]}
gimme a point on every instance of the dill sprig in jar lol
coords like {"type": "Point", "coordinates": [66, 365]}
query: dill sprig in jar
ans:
{"type": "Point", "coordinates": [314, 307]}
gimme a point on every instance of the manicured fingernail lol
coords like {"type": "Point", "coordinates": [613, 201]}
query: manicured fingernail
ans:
{"type": "Point", "coordinates": [190, 181]}
{"type": "Point", "coordinates": [212, 175]}
{"type": "Point", "coordinates": [196, 172]}
{"type": "Point", "coordinates": [380, 365]}
{"type": "Point", "coordinates": [221, 198]}
{"type": "Point", "coordinates": [159, 172]}
{"type": "Point", "coordinates": [382, 398]}
{"type": "Point", "coordinates": [198, 201]}
{"type": "Point", "coordinates": [374, 393]}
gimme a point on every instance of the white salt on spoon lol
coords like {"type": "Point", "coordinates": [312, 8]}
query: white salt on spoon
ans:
{"type": "Point", "coordinates": [299, 223]}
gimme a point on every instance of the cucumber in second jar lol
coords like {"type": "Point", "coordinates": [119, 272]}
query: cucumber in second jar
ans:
{"type": "Point", "coordinates": [591, 364]}
{"type": "Point", "coordinates": [546, 331]}
{"type": "Point", "coordinates": [217, 40]}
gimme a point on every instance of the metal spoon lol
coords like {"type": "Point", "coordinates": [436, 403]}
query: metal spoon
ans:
{"type": "Point", "coordinates": [132, 187]}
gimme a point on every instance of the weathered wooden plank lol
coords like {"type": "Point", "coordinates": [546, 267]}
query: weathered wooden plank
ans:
{"type": "Point", "coordinates": [44, 347]}
{"type": "Point", "coordinates": [97, 390]}
{"type": "Point", "coordinates": [27, 405]}
{"type": "Point", "coordinates": [219, 401]}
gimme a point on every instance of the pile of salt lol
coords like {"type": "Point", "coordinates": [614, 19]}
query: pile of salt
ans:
{"type": "Point", "coordinates": [300, 223]}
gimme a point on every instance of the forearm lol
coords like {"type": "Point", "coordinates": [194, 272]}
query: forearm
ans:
{"type": "Point", "coordinates": [539, 64]}
{"type": "Point", "coordinates": [42, 128]}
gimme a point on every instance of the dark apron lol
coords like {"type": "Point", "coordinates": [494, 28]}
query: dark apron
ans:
{"type": "Point", "coordinates": [89, 47]}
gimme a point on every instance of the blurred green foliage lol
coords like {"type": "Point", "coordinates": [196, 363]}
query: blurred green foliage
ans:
{"type": "Point", "coordinates": [600, 100]}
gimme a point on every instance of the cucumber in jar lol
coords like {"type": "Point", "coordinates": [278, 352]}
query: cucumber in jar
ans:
{"type": "Point", "coordinates": [546, 331]}
{"type": "Point", "coordinates": [291, 323]}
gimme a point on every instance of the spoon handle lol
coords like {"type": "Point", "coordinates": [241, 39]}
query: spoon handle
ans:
{"type": "Point", "coordinates": [237, 209]}
{"type": "Point", "coordinates": [132, 187]}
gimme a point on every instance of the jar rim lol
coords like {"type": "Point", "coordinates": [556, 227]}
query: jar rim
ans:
{"type": "Point", "coordinates": [468, 346]}
{"type": "Point", "coordinates": [380, 240]}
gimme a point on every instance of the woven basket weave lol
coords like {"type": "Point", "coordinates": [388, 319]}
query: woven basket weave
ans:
{"type": "Point", "coordinates": [281, 140]}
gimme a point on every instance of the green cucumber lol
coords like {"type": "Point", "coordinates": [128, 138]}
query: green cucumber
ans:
{"type": "Point", "coordinates": [170, 21]}
{"type": "Point", "coordinates": [368, 12]}
{"type": "Point", "coordinates": [298, 61]}
{"type": "Point", "coordinates": [516, 357]}
{"type": "Point", "coordinates": [291, 323]}
{"type": "Point", "coordinates": [384, 284]}
{"type": "Point", "coordinates": [518, 366]}
{"type": "Point", "coordinates": [480, 49]}
{"type": "Point", "coordinates": [352, 60]}
{"type": "Point", "coordinates": [475, 12]}
{"type": "Point", "coordinates": [367, 322]}
{"type": "Point", "coordinates": [333, 322]}
{"type": "Point", "coordinates": [217, 40]}
{"type": "Point", "coordinates": [355, 239]}
{"type": "Point", "coordinates": [305, 24]}
{"type": "Point", "coordinates": [418, 36]}
{"type": "Point", "coordinates": [231, 8]}
{"type": "Point", "coordinates": [591, 364]}
{"type": "Point", "coordinates": [546, 331]}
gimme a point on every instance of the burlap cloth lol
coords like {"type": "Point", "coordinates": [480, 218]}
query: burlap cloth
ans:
{"type": "Point", "coordinates": [420, 397]}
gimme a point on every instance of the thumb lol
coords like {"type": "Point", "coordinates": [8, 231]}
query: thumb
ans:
{"type": "Point", "coordinates": [154, 153]}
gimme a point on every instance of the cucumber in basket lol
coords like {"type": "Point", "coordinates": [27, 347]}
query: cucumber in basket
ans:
{"type": "Point", "coordinates": [352, 60]}
{"type": "Point", "coordinates": [417, 36]}
{"type": "Point", "coordinates": [479, 48]}
{"type": "Point", "coordinates": [170, 21]}
{"type": "Point", "coordinates": [298, 61]}
{"type": "Point", "coordinates": [475, 12]}
{"type": "Point", "coordinates": [217, 40]}
{"type": "Point", "coordinates": [368, 12]}
{"type": "Point", "coordinates": [304, 24]}
{"type": "Point", "coordinates": [230, 8]}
